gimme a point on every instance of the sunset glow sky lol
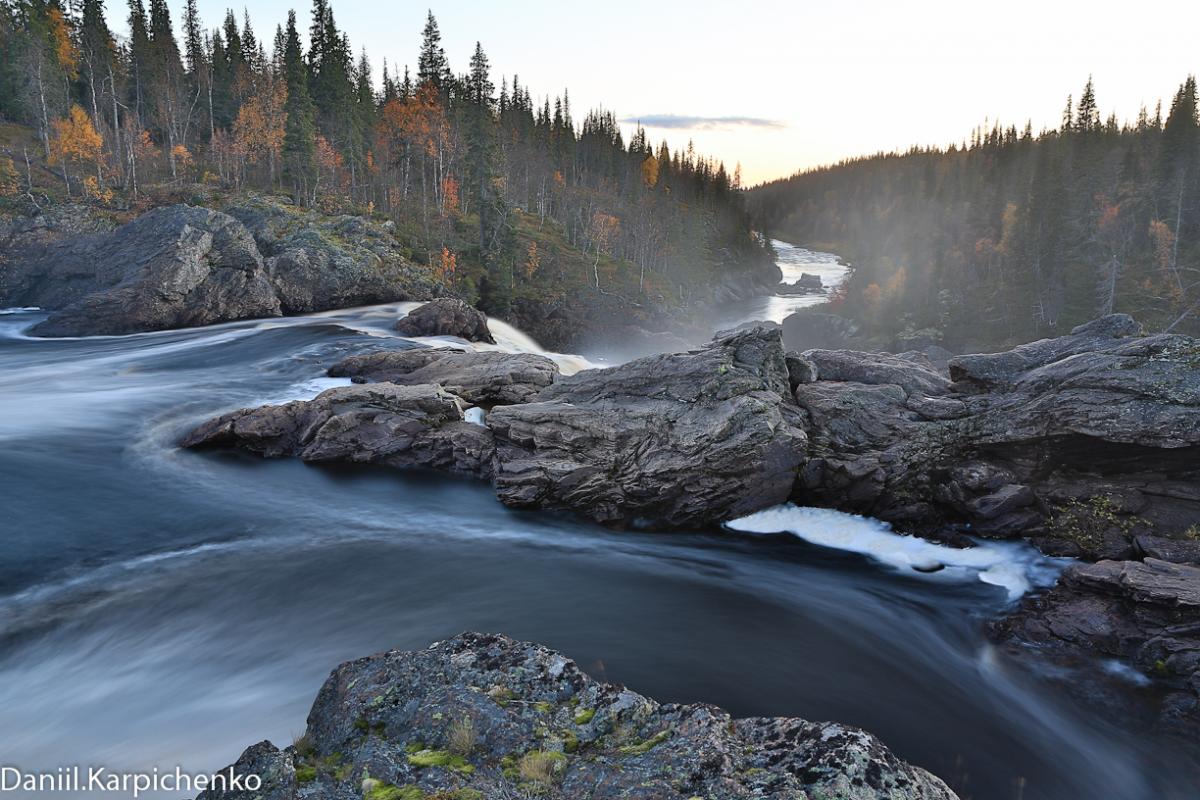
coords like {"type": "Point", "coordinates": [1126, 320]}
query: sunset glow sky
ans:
{"type": "Point", "coordinates": [779, 86]}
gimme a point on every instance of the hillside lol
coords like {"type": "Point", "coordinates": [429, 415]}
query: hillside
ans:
{"type": "Point", "coordinates": [560, 226]}
{"type": "Point", "coordinates": [1012, 236]}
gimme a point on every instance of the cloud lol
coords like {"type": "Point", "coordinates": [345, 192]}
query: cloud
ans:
{"type": "Point", "coordinates": [684, 122]}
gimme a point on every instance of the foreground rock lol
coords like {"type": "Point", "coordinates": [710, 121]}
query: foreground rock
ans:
{"type": "Point", "coordinates": [1145, 614]}
{"type": "Point", "coordinates": [684, 439]}
{"type": "Point", "coordinates": [483, 716]}
{"type": "Point", "coordinates": [687, 439]}
{"type": "Point", "coordinates": [446, 316]}
{"type": "Point", "coordinates": [173, 267]}
{"type": "Point", "coordinates": [486, 379]}
{"type": "Point", "coordinates": [1080, 444]}
{"type": "Point", "coordinates": [180, 266]}
{"type": "Point", "coordinates": [396, 426]}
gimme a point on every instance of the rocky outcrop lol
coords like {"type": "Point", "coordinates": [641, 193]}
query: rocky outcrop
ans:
{"type": "Point", "coordinates": [446, 316]}
{"type": "Point", "coordinates": [396, 426]}
{"type": "Point", "coordinates": [667, 441]}
{"type": "Point", "coordinates": [483, 716]}
{"type": "Point", "coordinates": [318, 262]}
{"type": "Point", "coordinates": [180, 266]}
{"type": "Point", "coordinates": [172, 267]}
{"type": "Point", "coordinates": [487, 379]}
{"type": "Point", "coordinates": [1142, 613]}
{"type": "Point", "coordinates": [1095, 454]}
{"type": "Point", "coordinates": [673, 440]}
{"type": "Point", "coordinates": [1080, 444]}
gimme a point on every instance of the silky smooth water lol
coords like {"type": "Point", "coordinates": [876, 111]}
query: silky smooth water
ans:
{"type": "Point", "coordinates": [162, 607]}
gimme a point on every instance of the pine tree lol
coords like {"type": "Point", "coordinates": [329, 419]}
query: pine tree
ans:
{"type": "Point", "coordinates": [1087, 116]}
{"type": "Point", "coordinates": [432, 67]}
{"type": "Point", "coordinates": [299, 165]}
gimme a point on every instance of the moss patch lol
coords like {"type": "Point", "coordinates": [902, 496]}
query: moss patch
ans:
{"type": "Point", "coordinates": [646, 745]}
{"type": "Point", "coordinates": [390, 792]}
{"type": "Point", "coordinates": [440, 758]}
{"type": "Point", "coordinates": [585, 716]}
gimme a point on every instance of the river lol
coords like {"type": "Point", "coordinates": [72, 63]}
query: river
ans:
{"type": "Point", "coordinates": [161, 607]}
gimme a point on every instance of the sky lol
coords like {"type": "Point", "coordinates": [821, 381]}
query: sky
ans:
{"type": "Point", "coordinates": [784, 86]}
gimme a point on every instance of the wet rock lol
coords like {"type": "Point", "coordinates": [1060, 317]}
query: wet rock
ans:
{"type": "Point", "coordinates": [173, 267]}
{"type": "Point", "coordinates": [446, 316]}
{"type": "Point", "coordinates": [1079, 444]}
{"type": "Point", "coordinates": [396, 426]}
{"type": "Point", "coordinates": [664, 441]}
{"type": "Point", "coordinates": [487, 378]}
{"type": "Point", "coordinates": [1145, 614]}
{"type": "Point", "coordinates": [484, 716]}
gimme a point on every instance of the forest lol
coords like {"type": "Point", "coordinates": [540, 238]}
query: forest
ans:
{"type": "Point", "coordinates": [1012, 235]}
{"type": "Point", "coordinates": [503, 197]}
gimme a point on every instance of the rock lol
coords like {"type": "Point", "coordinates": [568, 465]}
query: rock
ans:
{"type": "Point", "coordinates": [483, 716]}
{"type": "Point", "coordinates": [1177, 551]}
{"type": "Point", "coordinates": [1080, 455]}
{"type": "Point", "coordinates": [173, 267]}
{"type": "Point", "coordinates": [665, 441]}
{"type": "Point", "coordinates": [446, 316]}
{"type": "Point", "coordinates": [995, 370]}
{"type": "Point", "coordinates": [1146, 614]}
{"type": "Point", "coordinates": [396, 426]}
{"type": "Point", "coordinates": [486, 379]}
{"type": "Point", "coordinates": [317, 262]}
{"type": "Point", "coordinates": [911, 372]}
{"type": "Point", "coordinates": [800, 370]}
{"type": "Point", "coordinates": [1093, 439]}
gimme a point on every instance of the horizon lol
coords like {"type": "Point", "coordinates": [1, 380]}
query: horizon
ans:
{"type": "Point", "coordinates": [672, 89]}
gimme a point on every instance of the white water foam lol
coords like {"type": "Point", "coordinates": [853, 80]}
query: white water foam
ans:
{"type": "Point", "coordinates": [476, 416]}
{"type": "Point", "coordinates": [1014, 566]}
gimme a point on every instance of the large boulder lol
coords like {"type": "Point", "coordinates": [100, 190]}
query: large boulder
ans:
{"type": "Point", "coordinates": [446, 316]}
{"type": "Point", "coordinates": [486, 379]}
{"type": "Point", "coordinates": [396, 426]}
{"type": "Point", "coordinates": [671, 440]}
{"type": "Point", "coordinates": [483, 716]}
{"type": "Point", "coordinates": [317, 262]}
{"type": "Point", "coordinates": [173, 267]}
{"type": "Point", "coordinates": [1080, 443]}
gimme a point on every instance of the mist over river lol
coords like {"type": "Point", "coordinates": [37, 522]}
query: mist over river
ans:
{"type": "Point", "coordinates": [161, 607]}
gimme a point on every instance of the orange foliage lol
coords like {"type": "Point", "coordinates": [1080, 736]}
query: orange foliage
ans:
{"type": "Point", "coordinates": [75, 139]}
{"type": "Point", "coordinates": [650, 171]}
{"type": "Point", "coordinates": [533, 261]}
{"type": "Point", "coordinates": [259, 127]}
{"type": "Point", "coordinates": [446, 266]}
{"type": "Point", "coordinates": [1164, 243]}
{"type": "Point", "coordinates": [10, 183]}
{"type": "Point", "coordinates": [450, 199]}
{"type": "Point", "coordinates": [65, 51]}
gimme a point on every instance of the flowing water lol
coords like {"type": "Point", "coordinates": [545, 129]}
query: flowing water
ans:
{"type": "Point", "coordinates": [793, 262]}
{"type": "Point", "coordinates": [161, 607]}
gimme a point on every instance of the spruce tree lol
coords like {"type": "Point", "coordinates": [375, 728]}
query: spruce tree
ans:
{"type": "Point", "coordinates": [432, 67]}
{"type": "Point", "coordinates": [299, 166]}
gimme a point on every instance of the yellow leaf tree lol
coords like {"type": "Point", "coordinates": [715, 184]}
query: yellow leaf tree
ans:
{"type": "Point", "coordinates": [75, 142]}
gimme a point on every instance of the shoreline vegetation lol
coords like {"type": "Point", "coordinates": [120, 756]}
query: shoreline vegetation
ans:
{"type": "Point", "coordinates": [508, 202]}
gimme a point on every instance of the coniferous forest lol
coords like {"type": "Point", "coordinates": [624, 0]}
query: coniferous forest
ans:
{"type": "Point", "coordinates": [1013, 235]}
{"type": "Point", "coordinates": [501, 193]}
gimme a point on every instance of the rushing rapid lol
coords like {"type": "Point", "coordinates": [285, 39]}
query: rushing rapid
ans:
{"type": "Point", "coordinates": [161, 607]}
